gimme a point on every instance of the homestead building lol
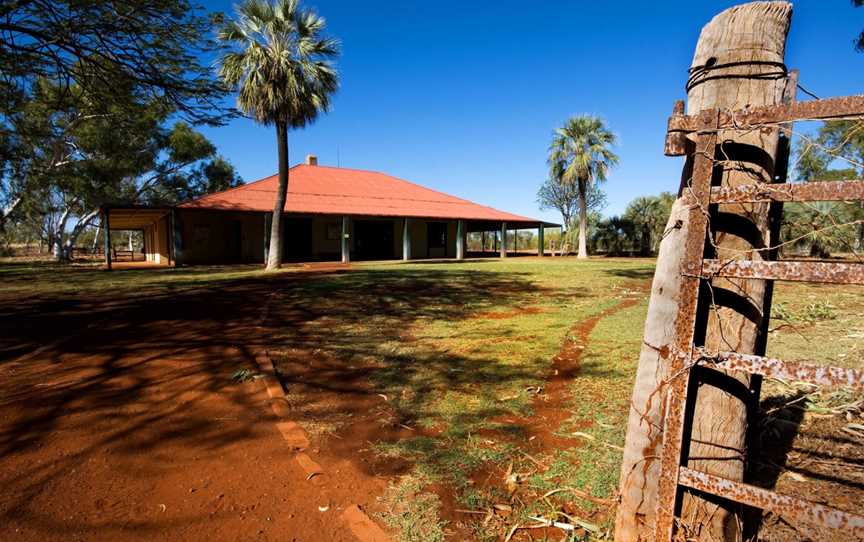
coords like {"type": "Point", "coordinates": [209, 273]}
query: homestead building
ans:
{"type": "Point", "coordinates": [331, 214]}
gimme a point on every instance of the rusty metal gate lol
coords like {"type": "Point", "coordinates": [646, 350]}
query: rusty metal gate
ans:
{"type": "Point", "coordinates": [696, 270]}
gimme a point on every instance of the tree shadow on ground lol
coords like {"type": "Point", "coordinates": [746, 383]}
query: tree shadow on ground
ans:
{"type": "Point", "coordinates": [630, 273]}
{"type": "Point", "coordinates": [143, 373]}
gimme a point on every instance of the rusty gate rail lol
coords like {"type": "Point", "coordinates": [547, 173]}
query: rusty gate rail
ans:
{"type": "Point", "coordinates": [809, 191]}
{"type": "Point", "coordinates": [676, 399]}
{"type": "Point", "coordinates": [695, 270]}
{"type": "Point", "coordinates": [812, 373]}
{"type": "Point", "coordinates": [820, 272]}
{"type": "Point", "coordinates": [745, 119]}
{"type": "Point", "coordinates": [768, 500]}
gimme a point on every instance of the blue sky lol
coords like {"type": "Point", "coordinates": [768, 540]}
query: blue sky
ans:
{"type": "Point", "coordinates": [463, 96]}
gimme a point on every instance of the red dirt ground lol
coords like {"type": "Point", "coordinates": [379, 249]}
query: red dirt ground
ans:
{"type": "Point", "coordinates": [125, 423]}
{"type": "Point", "coordinates": [132, 428]}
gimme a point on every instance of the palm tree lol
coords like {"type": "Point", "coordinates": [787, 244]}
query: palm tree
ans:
{"type": "Point", "coordinates": [280, 63]}
{"type": "Point", "coordinates": [580, 155]}
{"type": "Point", "coordinates": [647, 214]}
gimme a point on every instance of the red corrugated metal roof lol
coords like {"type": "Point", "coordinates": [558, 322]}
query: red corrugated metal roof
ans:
{"type": "Point", "coordinates": [330, 190]}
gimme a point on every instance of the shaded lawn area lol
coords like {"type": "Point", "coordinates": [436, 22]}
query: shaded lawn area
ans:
{"type": "Point", "coordinates": [435, 375]}
{"type": "Point", "coordinates": [485, 391]}
{"type": "Point", "coordinates": [438, 375]}
{"type": "Point", "coordinates": [43, 302]}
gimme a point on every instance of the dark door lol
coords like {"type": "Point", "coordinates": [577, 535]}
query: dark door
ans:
{"type": "Point", "coordinates": [436, 239]}
{"type": "Point", "coordinates": [297, 243]}
{"type": "Point", "coordinates": [373, 239]}
{"type": "Point", "coordinates": [234, 242]}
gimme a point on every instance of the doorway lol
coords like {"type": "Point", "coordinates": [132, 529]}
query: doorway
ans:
{"type": "Point", "coordinates": [373, 239]}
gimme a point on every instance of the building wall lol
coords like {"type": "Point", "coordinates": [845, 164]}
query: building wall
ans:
{"type": "Point", "coordinates": [324, 245]}
{"type": "Point", "coordinates": [420, 242]}
{"type": "Point", "coordinates": [156, 242]}
{"type": "Point", "coordinates": [220, 237]}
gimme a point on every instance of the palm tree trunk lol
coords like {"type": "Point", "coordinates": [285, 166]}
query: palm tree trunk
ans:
{"type": "Point", "coordinates": [583, 220]}
{"type": "Point", "coordinates": [274, 259]}
{"type": "Point", "coordinates": [645, 249]}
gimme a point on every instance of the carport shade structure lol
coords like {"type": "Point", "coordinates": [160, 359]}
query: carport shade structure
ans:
{"type": "Point", "coordinates": [333, 214]}
{"type": "Point", "coordinates": [153, 222]}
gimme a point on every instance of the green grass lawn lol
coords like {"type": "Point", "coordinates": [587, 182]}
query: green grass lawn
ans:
{"type": "Point", "coordinates": [463, 354]}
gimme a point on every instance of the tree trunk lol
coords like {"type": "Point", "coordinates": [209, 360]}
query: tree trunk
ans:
{"type": "Point", "coordinates": [72, 238]}
{"type": "Point", "coordinates": [8, 210]}
{"type": "Point", "coordinates": [60, 254]}
{"type": "Point", "coordinates": [95, 239]}
{"type": "Point", "coordinates": [645, 243]}
{"type": "Point", "coordinates": [751, 32]}
{"type": "Point", "coordinates": [583, 220]}
{"type": "Point", "coordinates": [274, 259]}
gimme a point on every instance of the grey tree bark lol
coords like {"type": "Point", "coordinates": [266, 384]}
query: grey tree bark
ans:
{"type": "Point", "coordinates": [274, 257]}
{"type": "Point", "coordinates": [738, 62]}
{"type": "Point", "coordinates": [583, 219]}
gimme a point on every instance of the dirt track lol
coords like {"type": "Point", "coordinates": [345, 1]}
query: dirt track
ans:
{"type": "Point", "coordinates": [133, 429]}
{"type": "Point", "coordinates": [127, 425]}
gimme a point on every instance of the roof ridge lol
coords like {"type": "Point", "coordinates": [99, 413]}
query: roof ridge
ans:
{"type": "Point", "coordinates": [445, 198]}
{"type": "Point", "coordinates": [400, 179]}
{"type": "Point", "coordinates": [233, 188]}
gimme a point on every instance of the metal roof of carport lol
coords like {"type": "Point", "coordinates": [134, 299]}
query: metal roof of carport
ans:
{"type": "Point", "coordinates": [133, 217]}
{"type": "Point", "coordinates": [314, 189]}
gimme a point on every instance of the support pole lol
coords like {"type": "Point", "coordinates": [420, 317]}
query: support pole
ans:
{"type": "Point", "coordinates": [176, 238]}
{"type": "Point", "coordinates": [406, 240]}
{"type": "Point", "coordinates": [268, 221]}
{"type": "Point", "coordinates": [540, 248]}
{"type": "Point", "coordinates": [483, 242]}
{"type": "Point", "coordinates": [106, 223]}
{"type": "Point", "coordinates": [460, 239]}
{"type": "Point", "coordinates": [346, 247]}
{"type": "Point", "coordinates": [503, 239]}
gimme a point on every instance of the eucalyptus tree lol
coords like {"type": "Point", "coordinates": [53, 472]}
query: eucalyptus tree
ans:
{"type": "Point", "coordinates": [82, 152]}
{"type": "Point", "coordinates": [157, 46]}
{"type": "Point", "coordinates": [580, 155]}
{"type": "Point", "coordinates": [564, 198]}
{"type": "Point", "coordinates": [281, 64]}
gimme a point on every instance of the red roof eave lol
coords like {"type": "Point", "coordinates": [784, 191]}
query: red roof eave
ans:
{"type": "Point", "coordinates": [341, 191]}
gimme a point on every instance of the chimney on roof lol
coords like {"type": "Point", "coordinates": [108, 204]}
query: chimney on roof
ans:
{"type": "Point", "coordinates": [311, 160]}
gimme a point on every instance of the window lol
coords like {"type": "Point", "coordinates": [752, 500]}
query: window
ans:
{"type": "Point", "coordinates": [334, 231]}
{"type": "Point", "coordinates": [436, 234]}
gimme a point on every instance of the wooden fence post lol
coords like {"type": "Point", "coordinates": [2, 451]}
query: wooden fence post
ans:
{"type": "Point", "coordinates": [738, 62]}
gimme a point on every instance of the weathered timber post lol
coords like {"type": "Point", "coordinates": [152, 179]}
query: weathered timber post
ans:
{"type": "Point", "coordinates": [503, 240]}
{"type": "Point", "coordinates": [346, 247]}
{"type": "Point", "coordinates": [540, 248]}
{"type": "Point", "coordinates": [460, 239]}
{"type": "Point", "coordinates": [177, 238]}
{"type": "Point", "coordinates": [267, 223]}
{"type": "Point", "coordinates": [738, 62]}
{"type": "Point", "coordinates": [406, 240]}
{"type": "Point", "coordinates": [106, 221]}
